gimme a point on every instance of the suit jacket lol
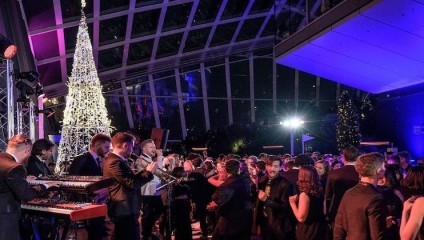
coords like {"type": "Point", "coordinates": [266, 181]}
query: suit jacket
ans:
{"type": "Point", "coordinates": [36, 167]}
{"type": "Point", "coordinates": [234, 208]}
{"type": "Point", "coordinates": [85, 165]}
{"type": "Point", "coordinates": [291, 176]}
{"type": "Point", "coordinates": [338, 182]}
{"type": "Point", "coordinates": [125, 192]}
{"type": "Point", "coordinates": [361, 215]}
{"type": "Point", "coordinates": [275, 213]}
{"type": "Point", "coordinates": [13, 189]}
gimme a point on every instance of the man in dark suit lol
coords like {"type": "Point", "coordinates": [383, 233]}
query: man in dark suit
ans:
{"type": "Point", "coordinates": [274, 214]}
{"type": "Point", "coordinates": [232, 203]}
{"type": "Point", "coordinates": [40, 154]}
{"type": "Point", "coordinates": [299, 161]}
{"type": "Point", "coordinates": [13, 185]}
{"type": "Point", "coordinates": [89, 164]}
{"type": "Point", "coordinates": [124, 204]}
{"type": "Point", "coordinates": [362, 212]}
{"type": "Point", "coordinates": [339, 181]}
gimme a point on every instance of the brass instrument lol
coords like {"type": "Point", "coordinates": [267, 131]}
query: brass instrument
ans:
{"type": "Point", "coordinates": [141, 163]}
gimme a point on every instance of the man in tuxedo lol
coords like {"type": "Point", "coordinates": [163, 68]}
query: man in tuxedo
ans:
{"type": "Point", "coordinates": [339, 181]}
{"type": "Point", "coordinates": [124, 204]}
{"type": "Point", "coordinates": [14, 187]}
{"type": "Point", "coordinates": [274, 214]}
{"type": "Point", "coordinates": [89, 164]}
{"type": "Point", "coordinates": [152, 205]}
{"type": "Point", "coordinates": [40, 154]}
{"type": "Point", "coordinates": [299, 161]}
{"type": "Point", "coordinates": [362, 212]}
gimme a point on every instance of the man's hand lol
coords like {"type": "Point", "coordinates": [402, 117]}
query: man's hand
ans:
{"type": "Point", "coordinates": [211, 206]}
{"type": "Point", "coordinates": [52, 184]}
{"type": "Point", "coordinates": [30, 178]}
{"type": "Point", "coordinates": [159, 152]}
{"type": "Point", "coordinates": [261, 195]}
{"type": "Point", "coordinates": [151, 167]}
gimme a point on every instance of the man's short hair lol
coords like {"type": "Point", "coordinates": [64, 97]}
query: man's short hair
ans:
{"type": "Point", "coordinates": [350, 154]}
{"type": "Point", "coordinates": [40, 145]}
{"type": "Point", "coordinates": [405, 155]}
{"type": "Point", "coordinates": [303, 160]}
{"type": "Point", "coordinates": [367, 164]}
{"type": "Point", "coordinates": [232, 166]}
{"type": "Point", "coordinates": [270, 159]}
{"type": "Point", "coordinates": [19, 141]}
{"type": "Point", "coordinates": [99, 138]}
{"type": "Point", "coordinates": [145, 142]}
{"type": "Point", "coordinates": [120, 138]}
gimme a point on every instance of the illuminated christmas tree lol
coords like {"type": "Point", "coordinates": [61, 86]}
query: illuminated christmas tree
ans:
{"type": "Point", "coordinates": [348, 130]}
{"type": "Point", "coordinates": [85, 114]}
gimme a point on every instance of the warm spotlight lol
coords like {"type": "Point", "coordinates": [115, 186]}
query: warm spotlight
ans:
{"type": "Point", "coordinates": [7, 48]}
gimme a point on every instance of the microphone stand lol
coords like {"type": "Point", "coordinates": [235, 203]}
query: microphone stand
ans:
{"type": "Point", "coordinates": [168, 186]}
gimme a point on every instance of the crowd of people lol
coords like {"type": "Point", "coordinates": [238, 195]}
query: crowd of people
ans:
{"type": "Point", "coordinates": [308, 196]}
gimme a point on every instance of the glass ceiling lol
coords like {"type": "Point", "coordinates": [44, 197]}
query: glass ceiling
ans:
{"type": "Point", "coordinates": [130, 36]}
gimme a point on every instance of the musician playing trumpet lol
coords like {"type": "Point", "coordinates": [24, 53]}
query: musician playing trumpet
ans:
{"type": "Point", "coordinates": [152, 205]}
{"type": "Point", "coordinates": [124, 204]}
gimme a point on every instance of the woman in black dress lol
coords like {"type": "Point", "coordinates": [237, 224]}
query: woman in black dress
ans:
{"type": "Point", "coordinates": [307, 206]}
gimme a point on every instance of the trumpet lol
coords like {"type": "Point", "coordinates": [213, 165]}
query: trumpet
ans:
{"type": "Point", "coordinates": [141, 163]}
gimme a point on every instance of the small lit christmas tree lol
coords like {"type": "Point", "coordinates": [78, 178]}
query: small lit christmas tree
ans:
{"type": "Point", "coordinates": [347, 129]}
{"type": "Point", "coordinates": [85, 114]}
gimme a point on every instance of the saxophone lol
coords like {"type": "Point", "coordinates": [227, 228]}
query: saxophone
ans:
{"type": "Point", "coordinates": [141, 163]}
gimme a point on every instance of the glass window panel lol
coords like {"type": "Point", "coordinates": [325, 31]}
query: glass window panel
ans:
{"type": "Point", "coordinates": [234, 8]}
{"type": "Point", "coordinates": [261, 6]}
{"type": "Point", "coordinates": [250, 29]}
{"type": "Point", "coordinates": [45, 45]}
{"type": "Point", "coordinates": [177, 16]}
{"type": "Point", "coordinates": [307, 86]}
{"type": "Point", "coordinates": [327, 90]}
{"type": "Point", "coordinates": [141, 80]}
{"type": "Point", "coordinates": [326, 107]}
{"type": "Point", "coordinates": [141, 88]}
{"type": "Point", "coordinates": [39, 14]}
{"type": "Point", "coordinates": [113, 6]}
{"type": "Point", "coordinates": [286, 108]}
{"type": "Point", "coordinates": [263, 112]}
{"type": "Point", "coordinates": [140, 3]}
{"type": "Point", "coordinates": [285, 82]}
{"type": "Point", "coordinates": [50, 73]}
{"type": "Point", "coordinates": [169, 45]}
{"type": "Point", "coordinates": [142, 112]}
{"type": "Point", "coordinates": [194, 116]}
{"type": "Point", "coordinates": [196, 39]}
{"type": "Point", "coordinates": [166, 86]}
{"type": "Point", "coordinates": [263, 78]}
{"type": "Point", "coordinates": [215, 82]}
{"type": "Point", "coordinates": [307, 109]}
{"type": "Point", "coordinates": [112, 30]}
{"type": "Point", "coordinates": [191, 85]}
{"type": "Point", "coordinates": [169, 116]}
{"type": "Point", "coordinates": [218, 112]}
{"type": "Point", "coordinates": [240, 82]}
{"type": "Point", "coordinates": [241, 111]}
{"type": "Point", "coordinates": [110, 58]}
{"type": "Point", "coordinates": [145, 23]}
{"type": "Point", "coordinates": [117, 113]}
{"type": "Point", "coordinates": [223, 34]}
{"type": "Point", "coordinates": [140, 52]}
{"type": "Point", "coordinates": [206, 11]}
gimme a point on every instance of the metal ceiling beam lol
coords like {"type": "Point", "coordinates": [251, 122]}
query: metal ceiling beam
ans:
{"type": "Point", "coordinates": [157, 35]}
{"type": "Point", "coordinates": [241, 22]}
{"type": "Point", "coordinates": [188, 27]}
{"type": "Point", "coordinates": [214, 26]}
